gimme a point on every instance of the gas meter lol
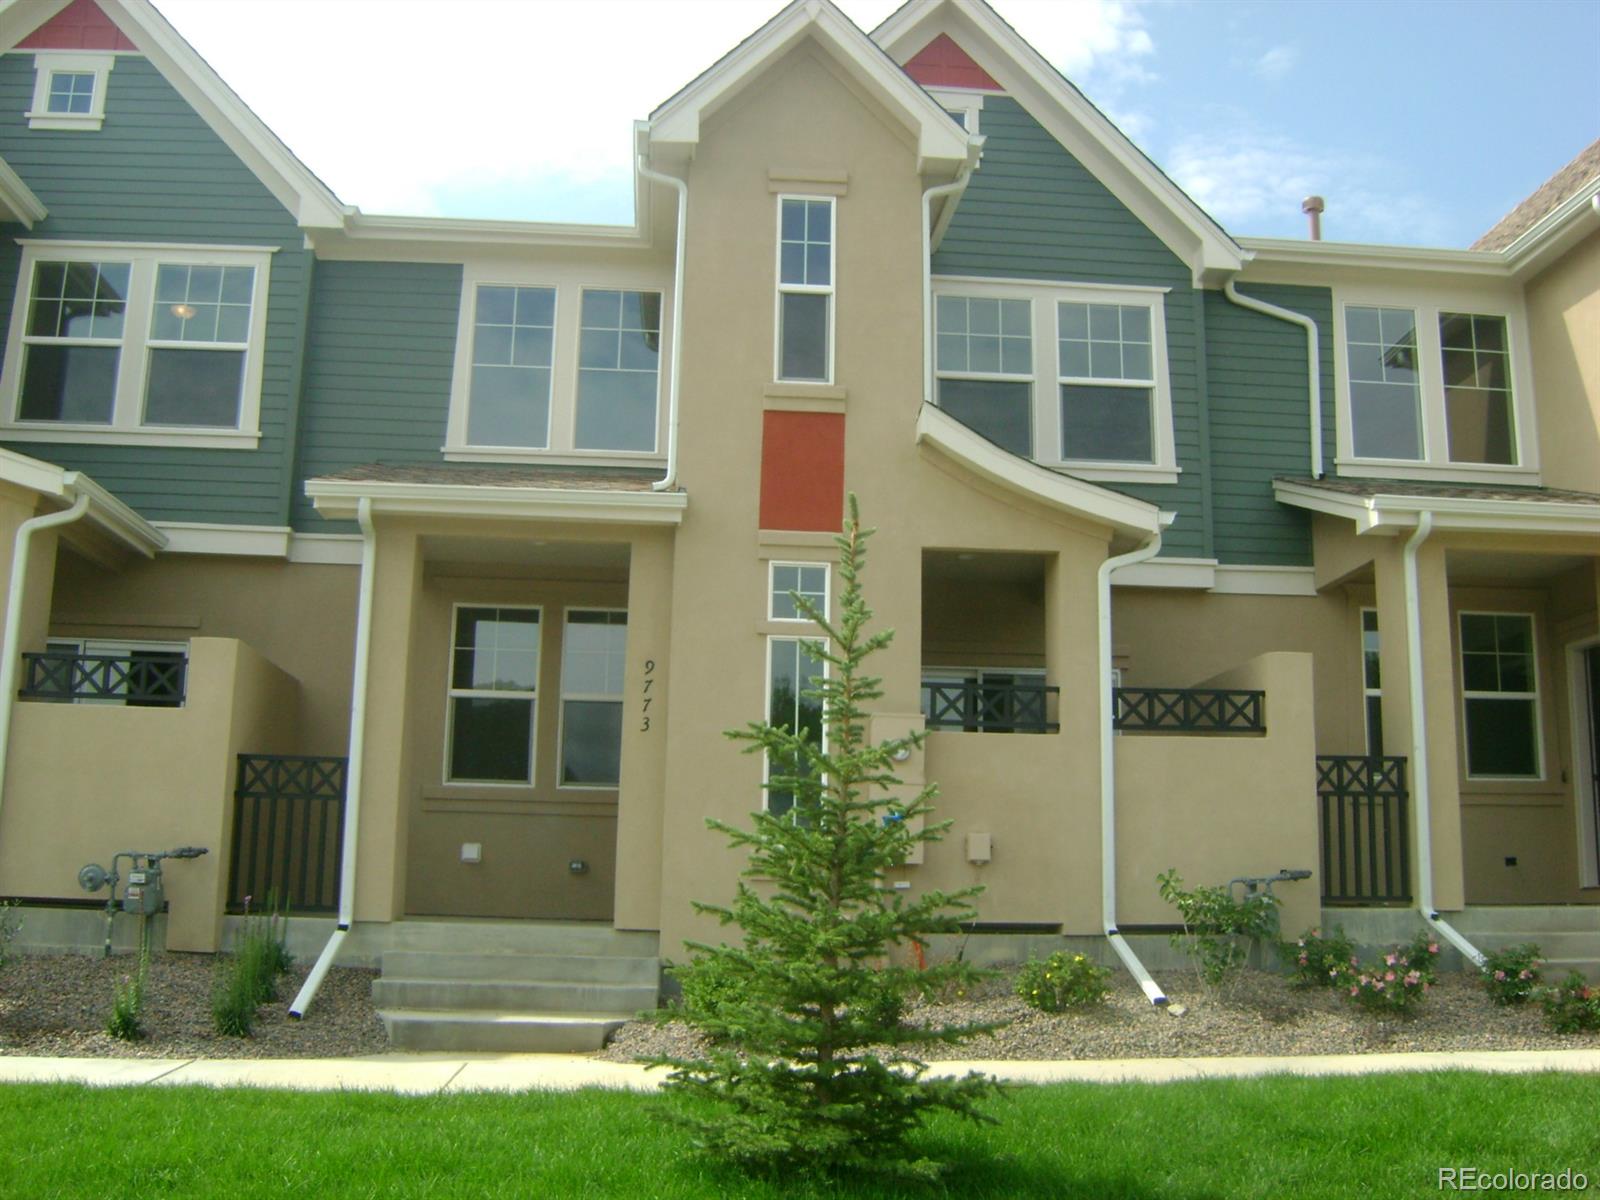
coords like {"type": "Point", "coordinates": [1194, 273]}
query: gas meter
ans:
{"type": "Point", "coordinates": [143, 895]}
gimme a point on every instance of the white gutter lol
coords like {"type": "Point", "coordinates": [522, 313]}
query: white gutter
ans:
{"type": "Point", "coordinates": [1313, 362]}
{"type": "Point", "coordinates": [1419, 745]}
{"type": "Point", "coordinates": [10, 650]}
{"type": "Point", "coordinates": [670, 479]}
{"type": "Point", "coordinates": [953, 188]}
{"type": "Point", "coordinates": [1108, 773]}
{"type": "Point", "coordinates": [352, 789]}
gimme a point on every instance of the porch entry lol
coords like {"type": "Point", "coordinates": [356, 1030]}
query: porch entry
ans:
{"type": "Point", "coordinates": [1587, 734]}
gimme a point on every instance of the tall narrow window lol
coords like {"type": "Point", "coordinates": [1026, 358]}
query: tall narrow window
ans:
{"type": "Point", "coordinates": [619, 363]}
{"type": "Point", "coordinates": [1385, 396]}
{"type": "Point", "coordinates": [72, 343]}
{"type": "Point", "coordinates": [983, 357]}
{"type": "Point", "coordinates": [805, 289]}
{"type": "Point", "coordinates": [791, 674]}
{"type": "Point", "coordinates": [1107, 365]}
{"type": "Point", "coordinates": [494, 683]}
{"type": "Point", "coordinates": [593, 653]}
{"type": "Point", "coordinates": [1371, 681]}
{"type": "Point", "coordinates": [199, 336]}
{"type": "Point", "coordinates": [1477, 389]}
{"type": "Point", "coordinates": [512, 352]}
{"type": "Point", "coordinates": [1500, 695]}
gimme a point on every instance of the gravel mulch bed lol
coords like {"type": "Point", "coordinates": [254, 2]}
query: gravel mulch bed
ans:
{"type": "Point", "coordinates": [58, 1005]}
{"type": "Point", "coordinates": [1260, 1015]}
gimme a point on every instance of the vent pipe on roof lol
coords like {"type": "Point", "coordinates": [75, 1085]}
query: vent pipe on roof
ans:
{"type": "Point", "coordinates": [1314, 207]}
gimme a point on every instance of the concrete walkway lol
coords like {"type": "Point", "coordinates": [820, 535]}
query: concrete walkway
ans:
{"type": "Point", "coordinates": [420, 1074]}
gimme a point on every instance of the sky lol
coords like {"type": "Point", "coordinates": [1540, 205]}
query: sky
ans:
{"type": "Point", "coordinates": [1422, 122]}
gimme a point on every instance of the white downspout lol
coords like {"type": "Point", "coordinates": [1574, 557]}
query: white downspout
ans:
{"type": "Point", "coordinates": [670, 480]}
{"type": "Point", "coordinates": [1313, 359]}
{"type": "Point", "coordinates": [358, 739]}
{"type": "Point", "coordinates": [9, 648]}
{"type": "Point", "coordinates": [955, 187]}
{"type": "Point", "coordinates": [1419, 744]}
{"type": "Point", "coordinates": [1108, 774]}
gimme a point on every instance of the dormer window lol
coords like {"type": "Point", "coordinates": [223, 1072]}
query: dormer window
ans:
{"type": "Point", "coordinates": [69, 90]}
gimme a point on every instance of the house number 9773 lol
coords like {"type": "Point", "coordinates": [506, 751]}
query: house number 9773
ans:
{"type": "Point", "coordinates": [649, 682]}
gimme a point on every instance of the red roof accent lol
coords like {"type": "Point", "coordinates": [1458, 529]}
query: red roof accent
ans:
{"type": "Point", "coordinates": [942, 63]}
{"type": "Point", "coordinates": [802, 470]}
{"type": "Point", "coordinates": [81, 25]}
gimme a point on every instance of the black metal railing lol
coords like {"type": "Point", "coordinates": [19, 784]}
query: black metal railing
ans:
{"type": "Point", "coordinates": [979, 707]}
{"type": "Point", "coordinates": [1365, 829]}
{"type": "Point", "coordinates": [1188, 710]}
{"type": "Point", "coordinates": [150, 679]}
{"type": "Point", "coordinates": [288, 829]}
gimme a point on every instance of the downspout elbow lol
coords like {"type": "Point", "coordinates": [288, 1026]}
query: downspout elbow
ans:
{"type": "Point", "coordinates": [669, 481]}
{"type": "Point", "coordinates": [1313, 362]}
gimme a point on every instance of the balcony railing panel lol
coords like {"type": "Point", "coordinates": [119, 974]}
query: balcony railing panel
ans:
{"type": "Point", "coordinates": [151, 680]}
{"type": "Point", "coordinates": [979, 707]}
{"type": "Point", "coordinates": [288, 830]}
{"type": "Point", "coordinates": [1188, 710]}
{"type": "Point", "coordinates": [1365, 829]}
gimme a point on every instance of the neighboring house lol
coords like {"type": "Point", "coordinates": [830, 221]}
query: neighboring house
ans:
{"type": "Point", "coordinates": [1337, 502]}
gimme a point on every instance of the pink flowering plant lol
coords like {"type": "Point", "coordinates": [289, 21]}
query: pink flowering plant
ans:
{"type": "Point", "coordinates": [1511, 975]}
{"type": "Point", "coordinates": [1396, 981]}
{"type": "Point", "coordinates": [1317, 959]}
{"type": "Point", "coordinates": [1573, 1006]}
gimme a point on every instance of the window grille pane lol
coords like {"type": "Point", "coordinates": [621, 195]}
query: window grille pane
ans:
{"type": "Point", "coordinates": [996, 409]}
{"type": "Point", "coordinates": [1107, 424]}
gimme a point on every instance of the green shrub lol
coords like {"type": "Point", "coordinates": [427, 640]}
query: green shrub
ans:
{"type": "Point", "coordinates": [1215, 925]}
{"type": "Point", "coordinates": [1511, 975]}
{"type": "Point", "coordinates": [1318, 959]}
{"type": "Point", "coordinates": [1062, 981]}
{"type": "Point", "coordinates": [235, 993]}
{"type": "Point", "coordinates": [1573, 1006]}
{"type": "Point", "coordinates": [249, 976]}
{"type": "Point", "coordinates": [712, 989]}
{"type": "Point", "coordinates": [127, 1003]}
{"type": "Point", "coordinates": [1395, 983]}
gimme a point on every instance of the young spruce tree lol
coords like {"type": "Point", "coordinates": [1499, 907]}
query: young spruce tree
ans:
{"type": "Point", "coordinates": [811, 1063]}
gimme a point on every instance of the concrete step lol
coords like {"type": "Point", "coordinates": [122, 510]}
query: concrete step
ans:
{"type": "Point", "coordinates": [519, 937]}
{"type": "Point", "coordinates": [502, 1032]}
{"type": "Point", "coordinates": [532, 968]}
{"type": "Point", "coordinates": [1551, 945]}
{"type": "Point", "coordinates": [491, 995]}
{"type": "Point", "coordinates": [1525, 919]}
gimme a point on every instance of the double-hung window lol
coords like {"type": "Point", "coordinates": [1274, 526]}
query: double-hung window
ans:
{"type": "Point", "coordinates": [1371, 681]}
{"type": "Point", "coordinates": [805, 289]}
{"type": "Point", "coordinates": [593, 653]}
{"type": "Point", "coordinates": [1433, 386]}
{"type": "Point", "coordinates": [792, 676]}
{"type": "Point", "coordinates": [69, 90]}
{"type": "Point", "coordinates": [513, 348]}
{"type": "Point", "coordinates": [1500, 695]}
{"type": "Point", "coordinates": [493, 695]}
{"type": "Point", "coordinates": [128, 342]}
{"type": "Point", "coordinates": [1072, 376]}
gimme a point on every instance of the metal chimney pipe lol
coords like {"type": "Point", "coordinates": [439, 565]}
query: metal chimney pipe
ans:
{"type": "Point", "coordinates": [1313, 207]}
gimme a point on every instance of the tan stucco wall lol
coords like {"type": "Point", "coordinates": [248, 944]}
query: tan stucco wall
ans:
{"type": "Point", "coordinates": [1564, 324]}
{"type": "Point", "coordinates": [156, 778]}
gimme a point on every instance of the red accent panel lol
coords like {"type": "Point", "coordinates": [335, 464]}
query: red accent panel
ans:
{"type": "Point", "coordinates": [81, 25]}
{"type": "Point", "coordinates": [942, 63]}
{"type": "Point", "coordinates": [802, 471]}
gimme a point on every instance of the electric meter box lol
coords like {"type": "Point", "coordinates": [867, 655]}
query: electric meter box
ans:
{"type": "Point", "coordinates": [143, 893]}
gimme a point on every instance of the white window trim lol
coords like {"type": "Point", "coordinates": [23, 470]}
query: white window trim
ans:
{"type": "Point", "coordinates": [802, 289]}
{"type": "Point", "coordinates": [1047, 379]}
{"type": "Point", "coordinates": [1535, 696]}
{"type": "Point", "coordinates": [618, 698]}
{"type": "Point", "coordinates": [772, 589]}
{"type": "Point", "coordinates": [962, 100]}
{"type": "Point", "coordinates": [1427, 305]}
{"type": "Point", "coordinates": [52, 62]}
{"type": "Point", "coordinates": [562, 421]}
{"type": "Point", "coordinates": [766, 703]}
{"type": "Point", "coordinates": [127, 427]}
{"type": "Point", "coordinates": [451, 692]}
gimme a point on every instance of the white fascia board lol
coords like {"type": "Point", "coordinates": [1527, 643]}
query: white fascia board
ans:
{"type": "Point", "coordinates": [983, 458]}
{"type": "Point", "coordinates": [25, 472]}
{"type": "Point", "coordinates": [1557, 231]}
{"type": "Point", "coordinates": [115, 517]}
{"type": "Point", "coordinates": [312, 204]}
{"type": "Point", "coordinates": [410, 235]}
{"type": "Point", "coordinates": [1237, 580]}
{"type": "Point", "coordinates": [1193, 574]}
{"type": "Point", "coordinates": [338, 500]}
{"type": "Point", "coordinates": [1074, 121]}
{"type": "Point", "coordinates": [1392, 514]}
{"type": "Point", "coordinates": [204, 537]}
{"type": "Point", "coordinates": [941, 143]}
{"type": "Point", "coordinates": [17, 198]}
{"type": "Point", "coordinates": [323, 549]}
{"type": "Point", "coordinates": [1490, 264]}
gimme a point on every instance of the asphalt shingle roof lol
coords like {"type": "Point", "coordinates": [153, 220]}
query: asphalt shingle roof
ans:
{"type": "Point", "coordinates": [1544, 201]}
{"type": "Point", "coordinates": [1445, 491]}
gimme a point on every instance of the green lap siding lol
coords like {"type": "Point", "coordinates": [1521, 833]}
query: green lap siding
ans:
{"type": "Point", "coordinates": [1260, 423]}
{"type": "Point", "coordinates": [379, 360]}
{"type": "Point", "coordinates": [1033, 211]}
{"type": "Point", "coordinates": [157, 173]}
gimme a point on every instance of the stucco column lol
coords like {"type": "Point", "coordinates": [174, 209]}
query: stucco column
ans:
{"type": "Point", "coordinates": [1439, 692]}
{"type": "Point", "coordinates": [16, 506]}
{"type": "Point", "coordinates": [646, 711]}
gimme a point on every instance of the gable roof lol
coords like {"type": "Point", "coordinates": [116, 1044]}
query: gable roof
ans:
{"type": "Point", "coordinates": [942, 145]}
{"type": "Point", "coordinates": [1069, 116]}
{"type": "Point", "coordinates": [312, 204]}
{"type": "Point", "coordinates": [1562, 186]}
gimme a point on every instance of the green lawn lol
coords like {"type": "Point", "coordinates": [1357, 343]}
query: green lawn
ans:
{"type": "Point", "coordinates": [1382, 1136]}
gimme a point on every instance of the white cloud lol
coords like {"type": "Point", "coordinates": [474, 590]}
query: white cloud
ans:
{"type": "Point", "coordinates": [1277, 62]}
